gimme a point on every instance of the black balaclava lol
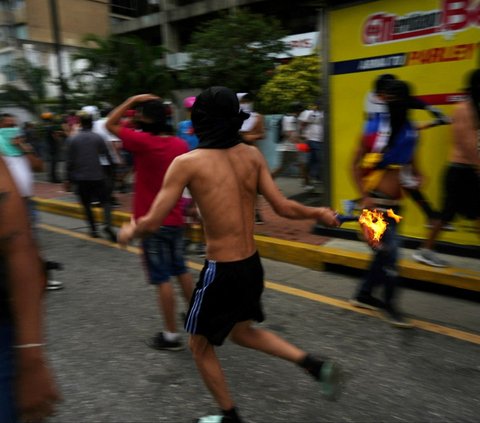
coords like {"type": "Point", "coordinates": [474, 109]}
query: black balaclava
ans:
{"type": "Point", "coordinates": [474, 91]}
{"type": "Point", "coordinates": [216, 118]}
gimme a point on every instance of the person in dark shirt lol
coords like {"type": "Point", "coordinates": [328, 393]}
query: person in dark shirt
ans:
{"type": "Point", "coordinates": [85, 171]}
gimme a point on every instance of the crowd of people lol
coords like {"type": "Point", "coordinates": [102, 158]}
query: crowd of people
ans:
{"type": "Point", "coordinates": [212, 162]}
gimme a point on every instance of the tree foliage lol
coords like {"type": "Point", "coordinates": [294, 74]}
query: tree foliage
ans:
{"type": "Point", "coordinates": [31, 91]}
{"type": "Point", "coordinates": [296, 81]}
{"type": "Point", "coordinates": [236, 50]}
{"type": "Point", "coordinates": [116, 67]}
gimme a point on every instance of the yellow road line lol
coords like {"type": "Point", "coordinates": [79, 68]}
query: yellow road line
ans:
{"type": "Point", "coordinates": [334, 302]}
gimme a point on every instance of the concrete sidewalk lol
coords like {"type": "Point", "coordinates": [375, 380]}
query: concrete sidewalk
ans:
{"type": "Point", "coordinates": [290, 241]}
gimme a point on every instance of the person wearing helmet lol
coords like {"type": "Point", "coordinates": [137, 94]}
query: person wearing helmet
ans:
{"type": "Point", "coordinates": [185, 127]}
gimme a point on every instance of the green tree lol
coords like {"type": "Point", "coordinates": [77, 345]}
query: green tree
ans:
{"type": "Point", "coordinates": [117, 67]}
{"type": "Point", "coordinates": [296, 81]}
{"type": "Point", "coordinates": [31, 92]}
{"type": "Point", "coordinates": [236, 50]}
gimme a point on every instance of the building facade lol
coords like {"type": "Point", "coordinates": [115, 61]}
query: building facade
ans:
{"type": "Point", "coordinates": [47, 33]}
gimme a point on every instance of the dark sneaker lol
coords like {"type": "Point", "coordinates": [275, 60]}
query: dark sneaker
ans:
{"type": "Point", "coordinates": [397, 320]}
{"type": "Point", "coordinates": [54, 285]}
{"type": "Point", "coordinates": [367, 301]}
{"type": "Point", "coordinates": [94, 234]}
{"type": "Point", "coordinates": [429, 258]}
{"type": "Point", "coordinates": [330, 380]}
{"type": "Point", "coordinates": [159, 342]}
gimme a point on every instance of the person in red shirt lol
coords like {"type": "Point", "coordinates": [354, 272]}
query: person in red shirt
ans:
{"type": "Point", "coordinates": [153, 151]}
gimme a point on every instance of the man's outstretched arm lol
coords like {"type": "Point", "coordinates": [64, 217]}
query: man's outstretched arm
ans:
{"type": "Point", "coordinates": [176, 179]}
{"type": "Point", "coordinates": [289, 208]}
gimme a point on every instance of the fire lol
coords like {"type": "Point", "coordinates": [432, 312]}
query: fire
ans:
{"type": "Point", "coordinates": [373, 224]}
{"type": "Point", "coordinates": [396, 217]}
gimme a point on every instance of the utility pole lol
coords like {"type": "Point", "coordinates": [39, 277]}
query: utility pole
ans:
{"type": "Point", "coordinates": [58, 52]}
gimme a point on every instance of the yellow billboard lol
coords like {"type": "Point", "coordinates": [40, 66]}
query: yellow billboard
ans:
{"type": "Point", "coordinates": [432, 44]}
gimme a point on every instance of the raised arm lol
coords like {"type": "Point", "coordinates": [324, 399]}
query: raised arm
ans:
{"type": "Point", "coordinates": [113, 121]}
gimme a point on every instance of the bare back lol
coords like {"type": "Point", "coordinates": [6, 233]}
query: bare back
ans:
{"type": "Point", "coordinates": [224, 185]}
{"type": "Point", "coordinates": [465, 135]}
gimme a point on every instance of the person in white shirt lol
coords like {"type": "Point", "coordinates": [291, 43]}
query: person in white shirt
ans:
{"type": "Point", "coordinates": [114, 145]}
{"type": "Point", "coordinates": [287, 145]}
{"type": "Point", "coordinates": [311, 130]}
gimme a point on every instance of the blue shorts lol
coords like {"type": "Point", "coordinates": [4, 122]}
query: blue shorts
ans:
{"type": "Point", "coordinates": [163, 253]}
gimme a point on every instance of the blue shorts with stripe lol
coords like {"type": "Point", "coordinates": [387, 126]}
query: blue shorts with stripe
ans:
{"type": "Point", "coordinates": [227, 293]}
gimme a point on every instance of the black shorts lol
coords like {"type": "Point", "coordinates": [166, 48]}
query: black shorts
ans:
{"type": "Point", "coordinates": [462, 192]}
{"type": "Point", "coordinates": [226, 293]}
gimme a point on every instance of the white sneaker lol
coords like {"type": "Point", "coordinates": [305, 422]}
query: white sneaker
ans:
{"type": "Point", "coordinates": [428, 257]}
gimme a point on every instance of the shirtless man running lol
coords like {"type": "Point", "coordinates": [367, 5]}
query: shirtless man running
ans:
{"type": "Point", "coordinates": [462, 178]}
{"type": "Point", "coordinates": [224, 177]}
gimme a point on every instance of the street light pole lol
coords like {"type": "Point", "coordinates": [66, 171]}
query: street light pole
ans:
{"type": "Point", "coordinates": [58, 52]}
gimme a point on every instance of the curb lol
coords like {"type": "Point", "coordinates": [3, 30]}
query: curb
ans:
{"type": "Point", "coordinates": [314, 257]}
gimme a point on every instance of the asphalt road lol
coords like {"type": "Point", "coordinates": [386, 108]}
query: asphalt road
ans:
{"type": "Point", "coordinates": [97, 327]}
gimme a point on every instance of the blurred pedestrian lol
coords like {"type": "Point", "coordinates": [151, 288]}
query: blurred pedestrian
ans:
{"type": "Point", "coordinates": [27, 388]}
{"type": "Point", "coordinates": [163, 251]}
{"type": "Point", "coordinates": [311, 130]}
{"type": "Point", "coordinates": [252, 131]}
{"type": "Point", "coordinates": [411, 177]}
{"type": "Point", "coordinates": [85, 171]}
{"type": "Point", "coordinates": [386, 145]}
{"type": "Point", "coordinates": [54, 138]}
{"type": "Point", "coordinates": [185, 128]}
{"type": "Point", "coordinates": [462, 176]}
{"type": "Point", "coordinates": [287, 147]}
{"type": "Point", "coordinates": [22, 160]}
{"type": "Point", "coordinates": [224, 173]}
{"type": "Point", "coordinates": [114, 146]}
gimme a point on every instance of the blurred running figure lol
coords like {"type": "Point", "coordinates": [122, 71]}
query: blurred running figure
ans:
{"type": "Point", "coordinates": [153, 151]}
{"type": "Point", "coordinates": [462, 178]}
{"type": "Point", "coordinates": [224, 175]}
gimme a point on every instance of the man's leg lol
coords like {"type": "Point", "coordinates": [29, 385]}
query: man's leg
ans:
{"type": "Point", "coordinates": [166, 304]}
{"type": "Point", "coordinates": [104, 197]}
{"type": "Point", "coordinates": [212, 373]}
{"type": "Point", "coordinates": [363, 298]}
{"type": "Point", "coordinates": [433, 234]}
{"type": "Point", "coordinates": [246, 335]}
{"type": "Point", "coordinates": [84, 192]}
{"type": "Point", "coordinates": [186, 284]}
{"type": "Point", "coordinates": [326, 372]}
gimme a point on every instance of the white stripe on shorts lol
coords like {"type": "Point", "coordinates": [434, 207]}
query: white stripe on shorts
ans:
{"type": "Point", "coordinates": [208, 278]}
